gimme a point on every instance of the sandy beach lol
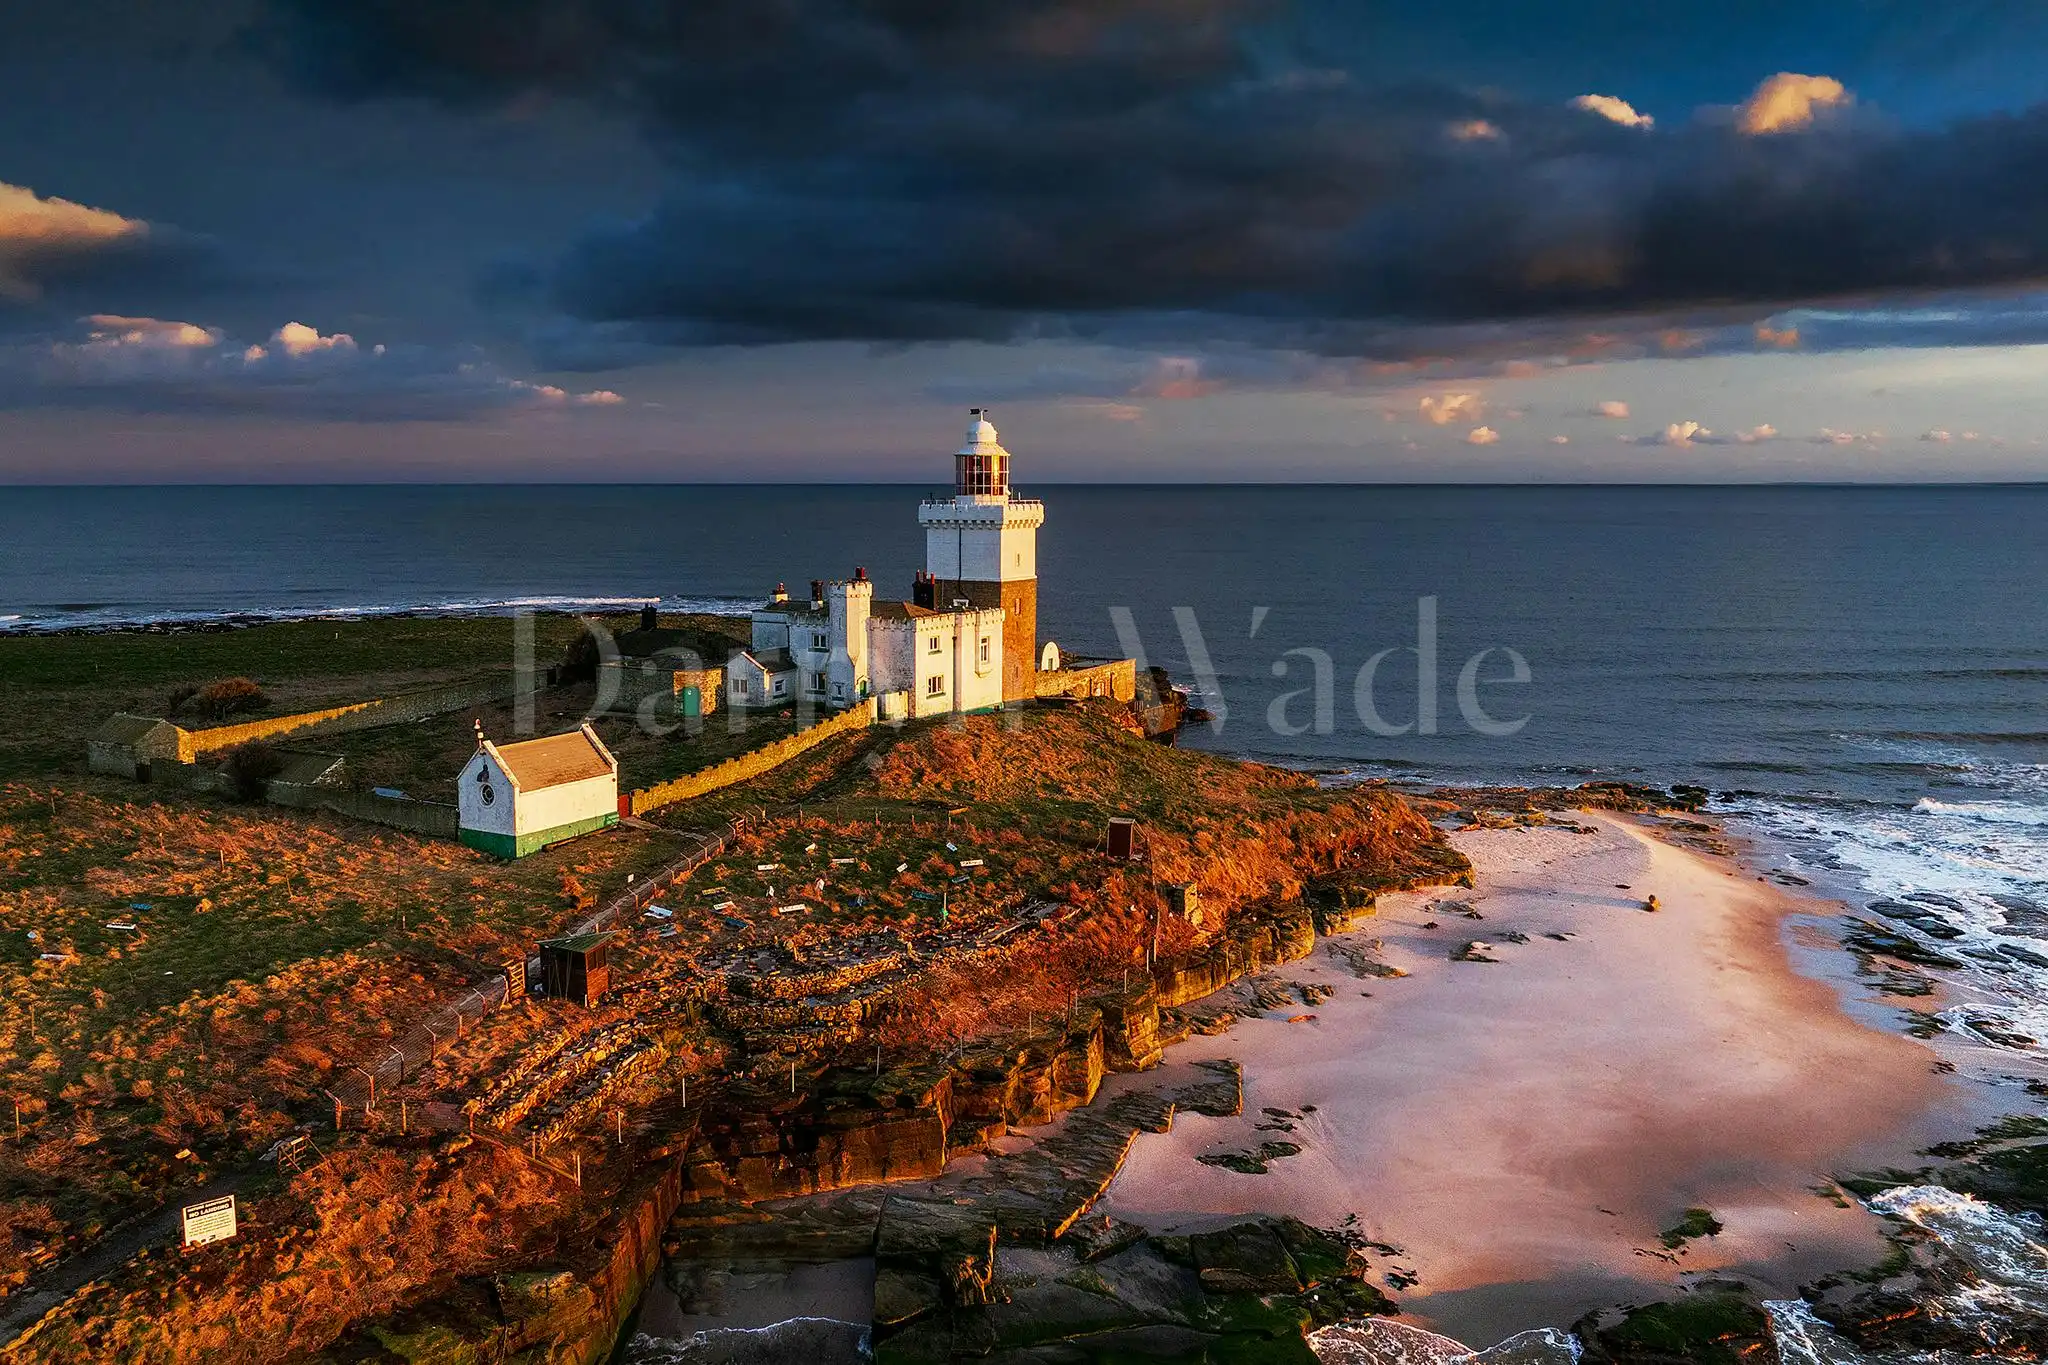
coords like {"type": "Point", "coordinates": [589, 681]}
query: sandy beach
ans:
{"type": "Point", "coordinates": [1523, 1129]}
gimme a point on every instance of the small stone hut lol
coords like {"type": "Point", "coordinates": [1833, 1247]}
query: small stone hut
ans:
{"type": "Point", "coordinates": [126, 746]}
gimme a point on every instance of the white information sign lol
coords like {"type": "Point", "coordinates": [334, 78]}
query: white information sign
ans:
{"type": "Point", "coordinates": [210, 1221]}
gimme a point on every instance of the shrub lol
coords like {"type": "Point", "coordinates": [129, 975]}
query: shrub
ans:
{"type": "Point", "coordinates": [223, 699]}
{"type": "Point", "coordinates": [251, 765]}
{"type": "Point", "coordinates": [579, 660]}
{"type": "Point", "coordinates": [175, 701]}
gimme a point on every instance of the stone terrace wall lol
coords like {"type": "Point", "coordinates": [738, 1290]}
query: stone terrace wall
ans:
{"type": "Point", "coordinates": [747, 765]}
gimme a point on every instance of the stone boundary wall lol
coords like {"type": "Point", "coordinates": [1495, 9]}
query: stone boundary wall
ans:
{"type": "Point", "coordinates": [748, 765]}
{"type": "Point", "coordinates": [432, 818]}
{"type": "Point", "coordinates": [361, 715]}
{"type": "Point", "coordinates": [1117, 678]}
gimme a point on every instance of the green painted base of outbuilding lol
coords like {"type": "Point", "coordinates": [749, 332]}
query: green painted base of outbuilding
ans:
{"type": "Point", "coordinates": [518, 846]}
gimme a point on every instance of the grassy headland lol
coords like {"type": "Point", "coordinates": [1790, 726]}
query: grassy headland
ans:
{"type": "Point", "coordinates": [954, 892]}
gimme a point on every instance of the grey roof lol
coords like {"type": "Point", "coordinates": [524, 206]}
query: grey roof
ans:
{"type": "Point", "coordinates": [773, 660]}
{"type": "Point", "coordinates": [899, 611]}
{"type": "Point", "coordinates": [304, 767]}
{"type": "Point", "coordinates": [575, 943]}
{"type": "Point", "coordinates": [802, 604]}
{"type": "Point", "coordinates": [122, 728]}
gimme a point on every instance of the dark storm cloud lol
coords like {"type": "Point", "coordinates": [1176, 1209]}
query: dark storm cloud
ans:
{"type": "Point", "coordinates": [908, 170]}
{"type": "Point", "coordinates": [56, 254]}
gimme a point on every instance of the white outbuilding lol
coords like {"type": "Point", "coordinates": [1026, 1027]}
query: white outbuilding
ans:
{"type": "Point", "coordinates": [519, 798]}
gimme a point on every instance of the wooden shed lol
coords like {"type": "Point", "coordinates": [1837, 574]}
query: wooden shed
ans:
{"type": "Point", "coordinates": [576, 968]}
{"type": "Point", "coordinates": [1123, 837]}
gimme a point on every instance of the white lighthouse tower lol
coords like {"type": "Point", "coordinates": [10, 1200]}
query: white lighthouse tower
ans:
{"type": "Point", "coordinates": [981, 548]}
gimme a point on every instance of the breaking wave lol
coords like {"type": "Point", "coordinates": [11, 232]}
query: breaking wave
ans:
{"type": "Point", "coordinates": [814, 1341]}
{"type": "Point", "coordinates": [105, 616]}
{"type": "Point", "coordinates": [1380, 1341]}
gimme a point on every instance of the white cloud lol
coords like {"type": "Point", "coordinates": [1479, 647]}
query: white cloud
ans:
{"type": "Point", "coordinates": [1615, 110]}
{"type": "Point", "coordinates": [37, 234]}
{"type": "Point", "coordinates": [1789, 101]}
{"type": "Point", "coordinates": [1758, 434]}
{"type": "Point", "coordinates": [297, 339]}
{"type": "Point", "coordinates": [161, 364]}
{"type": "Point", "coordinates": [1611, 407]}
{"type": "Point", "coordinates": [1682, 434]}
{"type": "Point", "coordinates": [1453, 407]}
{"type": "Point", "coordinates": [1829, 436]}
{"type": "Point", "coordinates": [1938, 436]}
{"type": "Point", "coordinates": [1560, 440]}
{"type": "Point", "coordinates": [111, 330]}
{"type": "Point", "coordinates": [1481, 436]}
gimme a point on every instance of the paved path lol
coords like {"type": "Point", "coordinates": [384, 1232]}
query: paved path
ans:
{"type": "Point", "coordinates": [68, 1276]}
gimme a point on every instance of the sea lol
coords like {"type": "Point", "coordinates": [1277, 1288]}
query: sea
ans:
{"type": "Point", "coordinates": [1858, 676]}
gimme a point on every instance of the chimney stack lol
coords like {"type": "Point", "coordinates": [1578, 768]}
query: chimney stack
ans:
{"type": "Point", "coordinates": [817, 591]}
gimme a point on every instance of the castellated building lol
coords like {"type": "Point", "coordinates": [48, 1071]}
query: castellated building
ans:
{"type": "Point", "coordinates": [966, 641]}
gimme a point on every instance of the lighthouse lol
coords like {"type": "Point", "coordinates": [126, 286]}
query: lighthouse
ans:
{"type": "Point", "coordinates": [981, 549]}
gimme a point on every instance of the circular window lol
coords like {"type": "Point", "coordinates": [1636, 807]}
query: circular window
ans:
{"type": "Point", "coordinates": [489, 795]}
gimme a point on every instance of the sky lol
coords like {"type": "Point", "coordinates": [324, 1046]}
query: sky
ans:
{"type": "Point", "coordinates": [1166, 240]}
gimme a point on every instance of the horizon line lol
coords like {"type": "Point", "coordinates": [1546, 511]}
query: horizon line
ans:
{"type": "Point", "coordinates": [928, 484]}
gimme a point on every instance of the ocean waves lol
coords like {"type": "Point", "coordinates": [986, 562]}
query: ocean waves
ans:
{"type": "Point", "coordinates": [109, 616]}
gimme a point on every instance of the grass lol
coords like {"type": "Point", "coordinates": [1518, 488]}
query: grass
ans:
{"type": "Point", "coordinates": [55, 690]}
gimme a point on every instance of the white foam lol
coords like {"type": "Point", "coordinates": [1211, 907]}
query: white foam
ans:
{"type": "Point", "coordinates": [2003, 1248]}
{"type": "Point", "coordinates": [1382, 1341]}
{"type": "Point", "coordinates": [1994, 812]}
{"type": "Point", "coordinates": [1803, 1339]}
{"type": "Point", "coordinates": [814, 1340]}
{"type": "Point", "coordinates": [129, 615]}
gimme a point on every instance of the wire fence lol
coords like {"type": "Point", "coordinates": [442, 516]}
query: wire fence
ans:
{"type": "Point", "coordinates": [358, 1087]}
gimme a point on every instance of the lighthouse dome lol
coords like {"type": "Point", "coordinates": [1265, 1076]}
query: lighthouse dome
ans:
{"type": "Point", "coordinates": [981, 436]}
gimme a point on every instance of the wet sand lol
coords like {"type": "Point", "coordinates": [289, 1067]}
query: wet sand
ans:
{"type": "Point", "coordinates": [1524, 1129]}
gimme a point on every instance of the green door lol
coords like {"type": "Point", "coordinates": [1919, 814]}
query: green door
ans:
{"type": "Point", "coordinates": [693, 702]}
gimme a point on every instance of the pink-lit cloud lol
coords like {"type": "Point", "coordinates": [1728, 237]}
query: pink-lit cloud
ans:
{"type": "Point", "coordinates": [1444, 409]}
{"type": "Point", "coordinates": [1790, 101]}
{"type": "Point", "coordinates": [39, 234]}
{"type": "Point", "coordinates": [1614, 110]}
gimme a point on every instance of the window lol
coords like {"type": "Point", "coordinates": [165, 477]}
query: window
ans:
{"type": "Point", "coordinates": [818, 640]}
{"type": "Point", "coordinates": [935, 685]}
{"type": "Point", "coordinates": [778, 685]}
{"type": "Point", "coordinates": [984, 649]}
{"type": "Point", "coordinates": [934, 645]}
{"type": "Point", "coordinates": [739, 687]}
{"type": "Point", "coordinates": [838, 689]}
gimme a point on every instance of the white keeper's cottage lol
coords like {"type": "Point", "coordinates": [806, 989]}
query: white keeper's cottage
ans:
{"type": "Point", "coordinates": [517, 799]}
